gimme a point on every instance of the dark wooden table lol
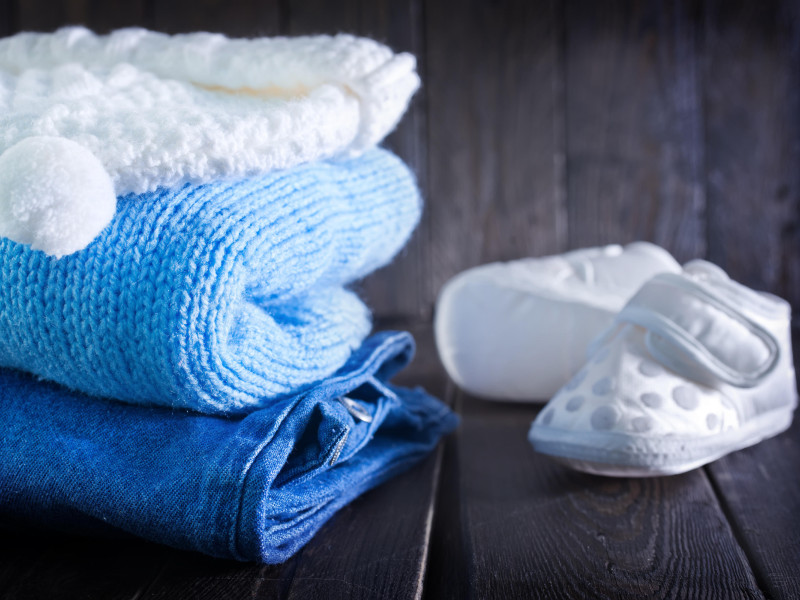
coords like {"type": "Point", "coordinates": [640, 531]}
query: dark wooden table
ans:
{"type": "Point", "coordinates": [542, 125]}
{"type": "Point", "coordinates": [483, 517]}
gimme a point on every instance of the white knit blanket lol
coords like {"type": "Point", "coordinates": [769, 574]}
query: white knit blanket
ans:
{"type": "Point", "coordinates": [150, 110]}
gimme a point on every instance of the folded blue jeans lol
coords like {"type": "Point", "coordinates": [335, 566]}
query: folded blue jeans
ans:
{"type": "Point", "coordinates": [254, 487]}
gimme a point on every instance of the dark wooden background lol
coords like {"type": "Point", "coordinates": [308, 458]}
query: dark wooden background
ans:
{"type": "Point", "coordinates": [546, 125]}
{"type": "Point", "coordinates": [541, 126]}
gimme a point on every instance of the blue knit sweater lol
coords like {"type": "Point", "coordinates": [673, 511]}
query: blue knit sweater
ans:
{"type": "Point", "coordinates": [216, 298]}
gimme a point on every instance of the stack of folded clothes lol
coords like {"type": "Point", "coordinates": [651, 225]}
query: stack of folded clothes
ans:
{"type": "Point", "coordinates": [181, 216]}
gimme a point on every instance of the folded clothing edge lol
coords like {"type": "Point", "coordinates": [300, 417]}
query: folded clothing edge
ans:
{"type": "Point", "coordinates": [212, 297]}
{"type": "Point", "coordinates": [254, 489]}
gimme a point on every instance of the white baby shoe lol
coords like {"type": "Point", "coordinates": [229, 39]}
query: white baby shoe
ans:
{"type": "Point", "coordinates": [695, 366]}
{"type": "Point", "coordinates": [519, 330]}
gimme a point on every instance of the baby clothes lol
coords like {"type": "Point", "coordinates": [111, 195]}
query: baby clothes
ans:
{"type": "Point", "coordinates": [519, 330]}
{"type": "Point", "coordinates": [217, 298]}
{"type": "Point", "coordinates": [180, 217]}
{"type": "Point", "coordinates": [85, 118]}
{"type": "Point", "coordinates": [256, 487]}
{"type": "Point", "coordinates": [694, 367]}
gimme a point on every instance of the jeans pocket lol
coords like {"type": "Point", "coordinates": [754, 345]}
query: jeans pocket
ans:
{"type": "Point", "coordinates": [335, 430]}
{"type": "Point", "coordinates": [317, 444]}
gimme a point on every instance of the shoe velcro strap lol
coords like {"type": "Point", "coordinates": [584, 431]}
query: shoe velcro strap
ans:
{"type": "Point", "coordinates": [699, 335]}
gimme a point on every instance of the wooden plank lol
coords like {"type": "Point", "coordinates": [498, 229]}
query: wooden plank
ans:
{"type": "Point", "coordinates": [8, 17]}
{"type": "Point", "coordinates": [310, 17]}
{"type": "Point", "coordinates": [532, 528]}
{"type": "Point", "coordinates": [495, 122]}
{"type": "Point", "coordinates": [195, 577]}
{"type": "Point", "coordinates": [377, 547]}
{"type": "Point", "coordinates": [44, 15]}
{"type": "Point", "coordinates": [99, 15]}
{"type": "Point", "coordinates": [18, 550]}
{"type": "Point", "coordinates": [634, 124]}
{"type": "Point", "coordinates": [760, 492]}
{"type": "Point", "coordinates": [103, 16]}
{"type": "Point", "coordinates": [752, 83]}
{"type": "Point", "coordinates": [445, 576]}
{"type": "Point", "coordinates": [57, 566]}
{"type": "Point", "coordinates": [236, 18]}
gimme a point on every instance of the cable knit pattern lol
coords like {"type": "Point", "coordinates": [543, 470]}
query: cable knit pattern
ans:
{"type": "Point", "coordinates": [160, 111]}
{"type": "Point", "coordinates": [216, 298]}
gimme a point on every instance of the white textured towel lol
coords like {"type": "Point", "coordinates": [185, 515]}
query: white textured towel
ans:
{"type": "Point", "coordinates": [154, 110]}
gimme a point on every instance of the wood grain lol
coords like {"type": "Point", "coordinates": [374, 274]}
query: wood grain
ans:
{"type": "Point", "coordinates": [761, 495]}
{"type": "Point", "coordinates": [311, 17]}
{"type": "Point", "coordinates": [242, 18]}
{"type": "Point", "coordinates": [531, 528]}
{"type": "Point", "coordinates": [100, 15]}
{"type": "Point", "coordinates": [635, 125]}
{"type": "Point", "coordinates": [46, 15]}
{"type": "Point", "coordinates": [58, 566]}
{"type": "Point", "coordinates": [495, 143]}
{"type": "Point", "coordinates": [377, 547]}
{"type": "Point", "coordinates": [446, 575]}
{"type": "Point", "coordinates": [752, 95]}
{"type": "Point", "coordinates": [103, 16]}
{"type": "Point", "coordinates": [194, 577]}
{"type": "Point", "coordinates": [18, 550]}
{"type": "Point", "coordinates": [760, 492]}
{"type": "Point", "coordinates": [8, 17]}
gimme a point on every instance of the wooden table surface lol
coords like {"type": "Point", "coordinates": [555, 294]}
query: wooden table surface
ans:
{"type": "Point", "coordinates": [542, 125]}
{"type": "Point", "coordinates": [483, 517]}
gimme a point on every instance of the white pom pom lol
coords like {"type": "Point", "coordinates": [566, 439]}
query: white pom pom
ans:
{"type": "Point", "coordinates": [55, 195]}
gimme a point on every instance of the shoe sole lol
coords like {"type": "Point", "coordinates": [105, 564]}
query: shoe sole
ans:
{"type": "Point", "coordinates": [621, 455]}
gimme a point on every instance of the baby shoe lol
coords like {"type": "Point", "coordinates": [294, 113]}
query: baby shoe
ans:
{"type": "Point", "coordinates": [694, 367]}
{"type": "Point", "coordinates": [519, 330]}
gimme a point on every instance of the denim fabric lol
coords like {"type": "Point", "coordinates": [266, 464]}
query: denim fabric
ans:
{"type": "Point", "coordinates": [250, 488]}
{"type": "Point", "coordinates": [220, 297]}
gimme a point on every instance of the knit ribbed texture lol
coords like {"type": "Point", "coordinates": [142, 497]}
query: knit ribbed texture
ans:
{"type": "Point", "coordinates": [216, 298]}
